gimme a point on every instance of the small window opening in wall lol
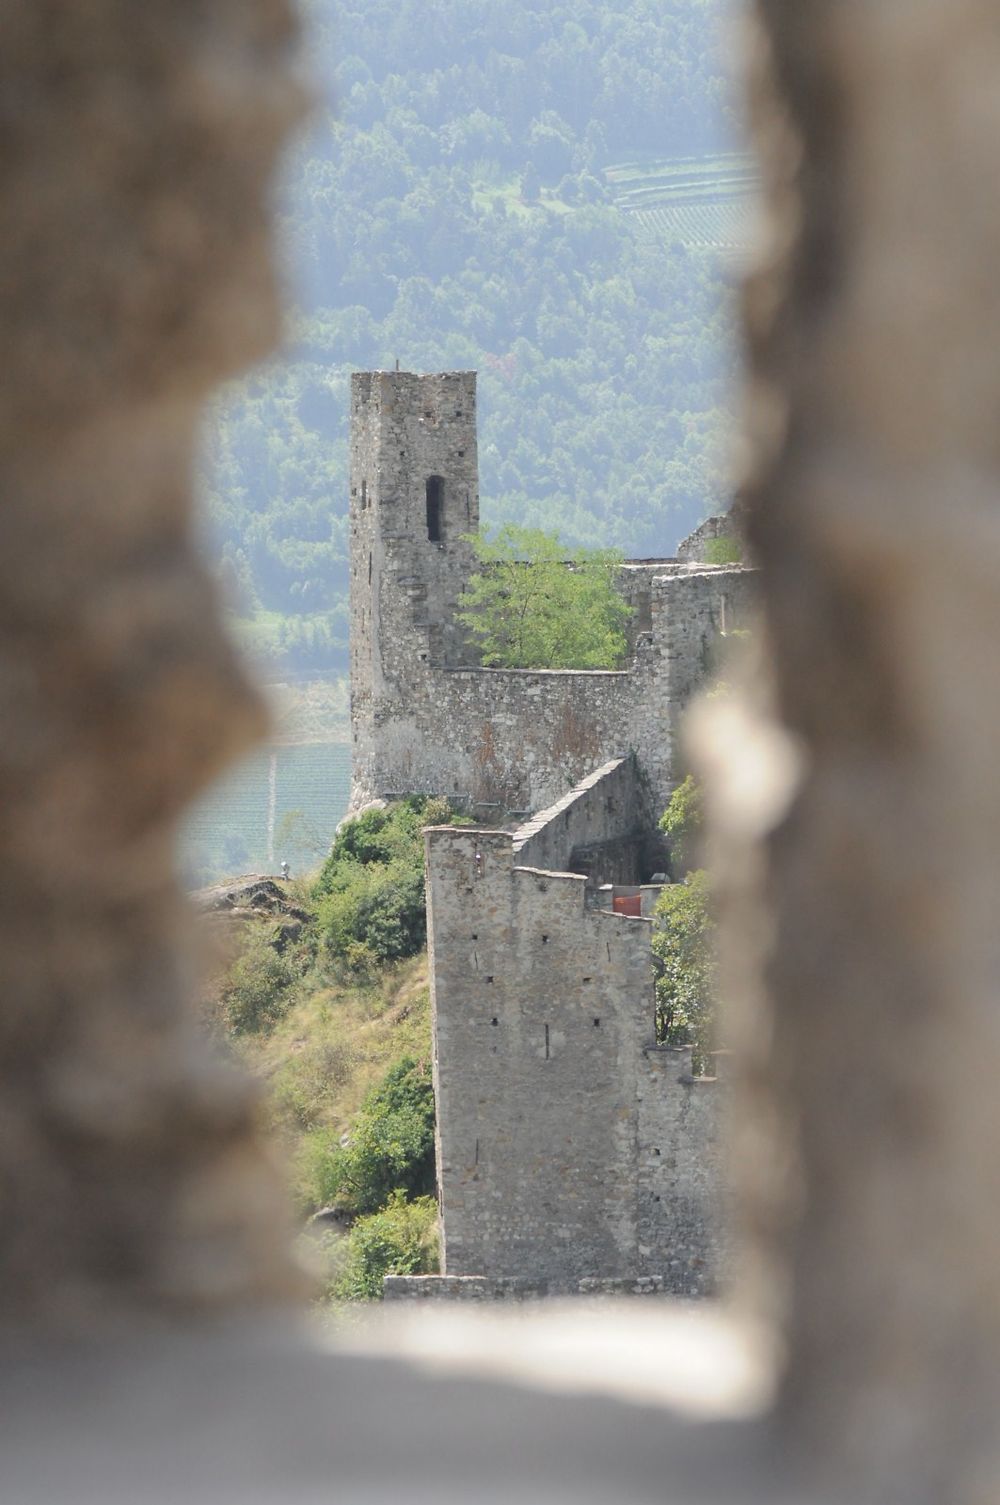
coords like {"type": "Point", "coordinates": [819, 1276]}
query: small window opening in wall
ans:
{"type": "Point", "coordinates": [656, 1199]}
{"type": "Point", "coordinates": [369, 569]}
{"type": "Point", "coordinates": [546, 1042]}
{"type": "Point", "coordinates": [475, 935]}
{"type": "Point", "coordinates": [489, 979]}
{"type": "Point", "coordinates": [364, 493]}
{"type": "Point", "coordinates": [656, 1152]}
{"type": "Point", "coordinates": [435, 509]}
{"type": "Point", "coordinates": [545, 940]}
{"type": "Point", "coordinates": [495, 1022]}
{"type": "Point", "coordinates": [597, 1023]}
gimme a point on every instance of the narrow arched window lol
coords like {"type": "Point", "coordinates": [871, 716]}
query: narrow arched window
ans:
{"type": "Point", "coordinates": [435, 509]}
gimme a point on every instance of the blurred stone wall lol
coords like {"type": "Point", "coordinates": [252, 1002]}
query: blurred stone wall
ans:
{"type": "Point", "coordinates": [135, 273]}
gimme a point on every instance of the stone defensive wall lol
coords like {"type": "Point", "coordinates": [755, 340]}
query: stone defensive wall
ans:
{"type": "Point", "coordinates": [568, 1144]}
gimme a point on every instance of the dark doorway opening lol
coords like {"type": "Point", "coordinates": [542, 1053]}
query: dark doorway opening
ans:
{"type": "Point", "coordinates": [435, 509]}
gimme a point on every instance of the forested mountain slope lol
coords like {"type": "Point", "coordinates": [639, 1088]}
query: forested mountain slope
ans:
{"type": "Point", "coordinates": [450, 209]}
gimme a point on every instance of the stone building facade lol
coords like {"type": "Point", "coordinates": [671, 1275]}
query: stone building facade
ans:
{"type": "Point", "coordinates": [573, 1152]}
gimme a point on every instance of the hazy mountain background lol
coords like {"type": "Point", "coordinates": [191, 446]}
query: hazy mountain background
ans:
{"type": "Point", "coordinates": [546, 192]}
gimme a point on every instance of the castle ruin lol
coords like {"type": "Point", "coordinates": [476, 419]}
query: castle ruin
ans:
{"type": "Point", "coordinates": [574, 1152]}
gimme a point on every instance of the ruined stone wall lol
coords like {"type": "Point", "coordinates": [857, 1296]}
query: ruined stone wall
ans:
{"type": "Point", "coordinates": [542, 1010]}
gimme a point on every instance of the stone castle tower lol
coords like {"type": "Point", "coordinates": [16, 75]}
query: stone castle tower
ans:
{"type": "Point", "coordinates": [414, 498]}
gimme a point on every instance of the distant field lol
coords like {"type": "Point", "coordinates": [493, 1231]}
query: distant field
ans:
{"type": "Point", "coordinates": [283, 803]}
{"type": "Point", "coordinates": [702, 203]}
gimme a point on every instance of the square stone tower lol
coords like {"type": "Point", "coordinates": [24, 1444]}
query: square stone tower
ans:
{"type": "Point", "coordinates": [414, 498]}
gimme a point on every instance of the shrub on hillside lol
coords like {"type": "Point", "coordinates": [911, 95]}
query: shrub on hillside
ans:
{"type": "Point", "coordinates": [370, 890]}
{"type": "Point", "coordinates": [401, 1239]}
{"type": "Point", "coordinates": [390, 1148]}
{"type": "Point", "coordinates": [259, 989]}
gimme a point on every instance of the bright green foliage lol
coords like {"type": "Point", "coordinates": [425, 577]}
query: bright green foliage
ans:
{"type": "Point", "coordinates": [538, 605]}
{"type": "Point", "coordinates": [682, 822]}
{"type": "Point", "coordinates": [390, 1149]}
{"type": "Point", "coordinates": [370, 890]}
{"type": "Point", "coordinates": [399, 1240]}
{"type": "Point", "coordinates": [684, 959]}
{"type": "Point", "coordinates": [724, 550]}
{"type": "Point", "coordinates": [259, 989]}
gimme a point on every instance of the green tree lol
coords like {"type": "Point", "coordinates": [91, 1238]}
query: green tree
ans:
{"type": "Point", "coordinates": [370, 890]}
{"type": "Point", "coordinates": [682, 823]}
{"type": "Point", "coordinates": [537, 605]}
{"type": "Point", "coordinates": [259, 988]}
{"type": "Point", "coordinates": [401, 1239]}
{"type": "Point", "coordinates": [684, 960]}
{"type": "Point", "coordinates": [390, 1148]}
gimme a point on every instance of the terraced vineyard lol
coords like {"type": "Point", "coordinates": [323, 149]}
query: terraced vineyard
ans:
{"type": "Point", "coordinates": [701, 203]}
{"type": "Point", "coordinates": [282, 804]}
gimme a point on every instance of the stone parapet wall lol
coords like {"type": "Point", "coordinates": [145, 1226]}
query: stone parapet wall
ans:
{"type": "Point", "coordinates": [461, 1288]}
{"type": "Point", "coordinates": [482, 1288]}
{"type": "Point", "coordinates": [608, 807]}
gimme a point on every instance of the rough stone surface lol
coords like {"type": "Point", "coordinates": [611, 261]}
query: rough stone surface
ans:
{"type": "Point", "coordinates": [424, 717]}
{"type": "Point", "coordinates": [481, 1288]}
{"type": "Point", "coordinates": [569, 1145]}
{"type": "Point", "coordinates": [134, 274]}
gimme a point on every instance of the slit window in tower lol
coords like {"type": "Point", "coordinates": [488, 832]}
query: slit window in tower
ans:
{"type": "Point", "coordinates": [435, 509]}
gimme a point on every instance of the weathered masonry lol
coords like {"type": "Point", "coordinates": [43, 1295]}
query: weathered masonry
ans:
{"type": "Point", "coordinates": [425, 716]}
